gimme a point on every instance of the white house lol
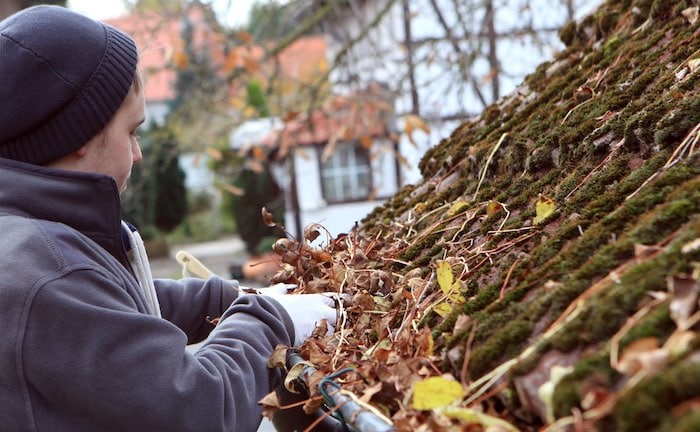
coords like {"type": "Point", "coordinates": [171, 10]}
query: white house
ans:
{"type": "Point", "coordinates": [335, 165]}
{"type": "Point", "coordinates": [432, 56]}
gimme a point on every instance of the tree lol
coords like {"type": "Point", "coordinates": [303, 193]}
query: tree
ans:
{"type": "Point", "coordinates": [157, 197]}
{"type": "Point", "coordinates": [442, 60]}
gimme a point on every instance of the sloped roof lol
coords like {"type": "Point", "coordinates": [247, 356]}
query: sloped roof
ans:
{"type": "Point", "coordinates": [158, 39]}
{"type": "Point", "coordinates": [549, 260]}
{"type": "Point", "coordinates": [352, 117]}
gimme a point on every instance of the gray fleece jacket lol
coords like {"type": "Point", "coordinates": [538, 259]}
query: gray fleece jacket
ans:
{"type": "Point", "coordinates": [78, 349]}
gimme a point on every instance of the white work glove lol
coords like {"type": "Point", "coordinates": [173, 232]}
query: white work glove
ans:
{"type": "Point", "coordinates": [306, 310]}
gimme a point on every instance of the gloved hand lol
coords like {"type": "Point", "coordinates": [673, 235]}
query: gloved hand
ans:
{"type": "Point", "coordinates": [306, 310]}
{"type": "Point", "coordinates": [278, 288]}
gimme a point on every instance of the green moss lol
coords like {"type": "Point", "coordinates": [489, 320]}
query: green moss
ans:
{"type": "Point", "coordinates": [599, 223]}
{"type": "Point", "coordinates": [660, 9]}
{"type": "Point", "coordinates": [567, 393]}
{"type": "Point", "coordinates": [657, 323]}
{"type": "Point", "coordinates": [687, 422]}
{"type": "Point", "coordinates": [676, 123]}
{"type": "Point", "coordinates": [567, 34]}
{"type": "Point", "coordinates": [647, 405]}
{"type": "Point", "coordinates": [505, 344]}
{"type": "Point", "coordinates": [612, 45]}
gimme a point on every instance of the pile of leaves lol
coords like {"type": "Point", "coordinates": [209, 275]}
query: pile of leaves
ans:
{"type": "Point", "coordinates": [544, 274]}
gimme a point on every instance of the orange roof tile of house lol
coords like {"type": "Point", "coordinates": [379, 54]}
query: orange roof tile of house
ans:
{"type": "Point", "coordinates": [161, 49]}
{"type": "Point", "coordinates": [344, 118]}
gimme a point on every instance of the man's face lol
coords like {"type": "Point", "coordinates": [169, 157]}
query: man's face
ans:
{"type": "Point", "coordinates": [116, 149]}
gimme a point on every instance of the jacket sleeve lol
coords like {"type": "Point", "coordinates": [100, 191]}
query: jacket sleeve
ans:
{"type": "Point", "coordinates": [87, 350]}
{"type": "Point", "coordinates": [192, 304]}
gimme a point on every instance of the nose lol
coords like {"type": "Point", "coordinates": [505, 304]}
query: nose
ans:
{"type": "Point", "coordinates": [136, 152]}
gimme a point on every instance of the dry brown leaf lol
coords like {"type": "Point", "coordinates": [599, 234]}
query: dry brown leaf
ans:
{"type": "Point", "coordinates": [267, 218]}
{"type": "Point", "coordinates": [278, 359]}
{"type": "Point", "coordinates": [680, 342]}
{"type": "Point", "coordinates": [694, 65]}
{"type": "Point", "coordinates": [235, 190]}
{"type": "Point", "coordinates": [332, 143]}
{"type": "Point", "coordinates": [412, 123]}
{"type": "Point", "coordinates": [684, 303]}
{"type": "Point", "coordinates": [270, 403]}
{"type": "Point", "coordinates": [370, 391]}
{"type": "Point", "coordinates": [231, 61]}
{"type": "Point", "coordinates": [214, 153]}
{"type": "Point", "coordinates": [312, 231]}
{"type": "Point", "coordinates": [691, 246]}
{"type": "Point", "coordinates": [244, 37]}
{"type": "Point", "coordinates": [690, 14]}
{"type": "Point", "coordinates": [251, 65]}
{"type": "Point", "coordinates": [605, 117]}
{"type": "Point", "coordinates": [689, 406]}
{"type": "Point", "coordinates": [366, 142]}
{"type": "Point", "coordinates": [642, 355]}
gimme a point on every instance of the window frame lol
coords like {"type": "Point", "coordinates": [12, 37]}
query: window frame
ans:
{"type": "Point", "coordinates": [358, 150]}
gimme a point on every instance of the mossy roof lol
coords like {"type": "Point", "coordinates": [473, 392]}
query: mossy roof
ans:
{"type": "Point", "coordinates": [567, 215]}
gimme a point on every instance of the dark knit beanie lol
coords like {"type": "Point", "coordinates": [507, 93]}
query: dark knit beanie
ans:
{"type": "Point", "coordinates": [62, 78]}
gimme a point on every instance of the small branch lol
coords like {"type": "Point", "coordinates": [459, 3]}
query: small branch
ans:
{"type": "Point", "coordinates": [505, 282]}
{"type": "Point", "coordinates": [486, 166]}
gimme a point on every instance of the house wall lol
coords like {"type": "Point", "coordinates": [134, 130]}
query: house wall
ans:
{"type": "Point", "coordinates": [380, 58]}
{"type": "Point", "coordinates": [336, 218]}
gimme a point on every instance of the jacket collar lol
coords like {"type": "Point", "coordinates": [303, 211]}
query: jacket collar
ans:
{"type": "Point", "coordinates": [87, 202]}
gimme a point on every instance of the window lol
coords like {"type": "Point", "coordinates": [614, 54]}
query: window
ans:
{"type": "Point", "coordinates": [346, 175]}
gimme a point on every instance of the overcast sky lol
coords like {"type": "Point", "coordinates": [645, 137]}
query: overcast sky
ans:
{"type": "Point", "coordinates": [235, 11]}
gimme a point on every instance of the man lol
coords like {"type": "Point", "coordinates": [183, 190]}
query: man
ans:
{"type": "Point", "coordinates": [90, 341]}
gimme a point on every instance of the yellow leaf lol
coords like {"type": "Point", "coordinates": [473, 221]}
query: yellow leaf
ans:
{"type": "Point", "coordinates": [249, 112]}
{"type": "Point", "coordinates": [543, 209]}
{"type": "Point", "coordinates": [449, 287]}
{"type": "Point", "coordinates": [238, 102]}
{"type": "Point", "coordinates": [546, 390]}
{"type": "Point", "coordinates": [413, 122]}
{"type": "Point", "coordinates": [436, 392]}
{"type": "Point", "coordinates": [457, 207]}
{"type": "Point", "coordinates": [493, 208]}
{"type": "Point", "coordinates": [445, 277]}
{"type": "Point", "coordinates": [323, 66]}
{"type": "Point", "coordinates": [443, 309]}
{"type": "Point", "coordinates": [469, 416]}
{"type": "Point", "coordinates": [180, 59]}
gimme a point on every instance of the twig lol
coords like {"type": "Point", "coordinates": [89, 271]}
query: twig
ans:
{"type": "Point", "coordinates": [410, 314]}
{"type": "Point", "coordinates": [507, 279]}
{"type": "Point", "coordinates": [511, 230]}
{"type": "Point", "coordinates": [467, 356]}
{"type": "Point", "coordinates": [603, 162]}
{"type": "Point", "coordinates": [688, 142]}
{"type": "Point", "coordinates": [576, 107]}
{"type": "Point", "coordinates": [482, 176]}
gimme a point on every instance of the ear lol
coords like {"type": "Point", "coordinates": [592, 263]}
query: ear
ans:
{"type": "Point", "coordinates": [82, 151]}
